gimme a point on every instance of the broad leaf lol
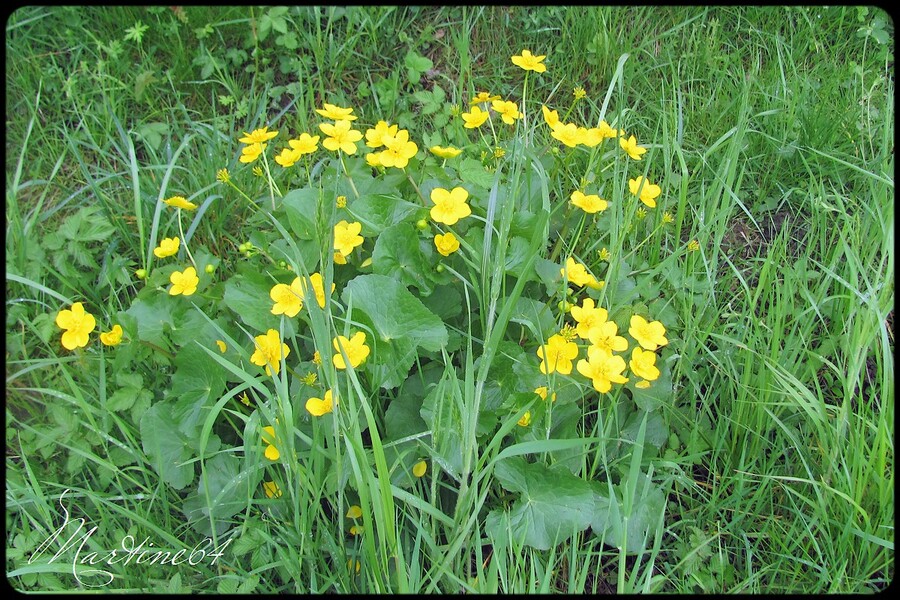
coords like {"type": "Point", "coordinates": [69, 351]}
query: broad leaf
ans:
{"type": "Point", "coordinates": [167, 448]}
{"type": "Point", "coordinates": [636, 527]}
{"type": "Point", "coordinates": [552, 506]}
{"type": "Point", "coordinates": [377, 212]}
{"type": "Point", "coordinates": [398, 255]}
{"type": "Point", "coordinates": [394, 312]}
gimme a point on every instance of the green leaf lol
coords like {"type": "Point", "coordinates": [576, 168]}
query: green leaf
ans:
{"type": "Point", "coordinates": [657, 430]}
{"type": "Point", "coordinates": [130, 391]}
{"type": "Point", "coordinates": [247, 294]}
{"type": "Point", "coordinates": [395, 313]}
{"type": "Point", "coordinates": [472, 171]}
{"type": "Point", "coordinates": [536, 316]}
{"type": "Point", "coordinates": [301, 207]}
{"type": "Point", "coordinates": [167, 448]}
{"type": "Point", "coordinates": [442, 412]}
{"type": "Point", "coordinates": [377, 212]}
{"type": "Point", "coordinates": [416, 64]}
{"type": "Point", "coordinates": [400, 323]}
{"type": "Point", "coordinates": [616, 525]}
{"type": "Point", "coordinates": [223, 491]}
{"type": "Point", "coordinates": [152, 314]}
{"type": "Point", "coordinates": [198, 382]}
{"type": "Point", "coordinates": [552, 506]}
{"type": "Point", "coordinates": [398, 255]}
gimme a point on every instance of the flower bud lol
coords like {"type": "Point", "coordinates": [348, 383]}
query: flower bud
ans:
{"type": "Point", "coordinates": [210, 269]}
{"type": "Point", "coordinates": [421, 224]}
{"type": "Point", "coordinates": [141, 273]}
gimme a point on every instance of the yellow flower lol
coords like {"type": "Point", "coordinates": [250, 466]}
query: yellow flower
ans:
{"type": "Point", "coordinates": [525, 420]}
{"type": "Point", "coordinates": [448, 152]}
{"type": "Point", "coordinates": [577, 273]}
{"type": "Point", "coordinates": [567, 133]}
{"type": "Point", "coordinates": [355, 512]}
{"type": "Point", "coordinates": [588, 317]}
{"type": "Point", "coordinates": [557, 355]}
{"type": "Point", "coordinates": [257, 170]}
{"type": "Point", "coordinates": [579, 93]}
{"type": "Point", "coordinates": [608, 132]}
{"type": "Point", "coordinates": [310, 379]}
{"type": "Point", "coordinates": [340, 201]}
{"type": "Point", "coordinates": [542, 392]}
{"type": "Point", "coordinates": [317, 358]}
{"type": "Point", "coordinates": [271, 488]}
{"type": "Point", "coordinates": [631, 148]}
{"type": "Point", "coordinates": [693, 245]}
{"type": "Point", "coordinates": [340, 137]}
{"type": "Point", "coordinates": [305, 144]}
{"type": "Point", "coordinates": [602, 368]}
{"type": "Point", "coordinates": [419, 468]}
{"type": "Point", "coordinates": [606, 337]}
{"type": "Point", "coordinates": [356, 529]}
{"type": "Point", "coordinates": [78, 323]}
{"type": "Point", "coordinates": [551, 117]}
{"type": "Point", "coordinates": [288, 298]}
{"type": "Point", "coordinates": [446, 244]}
{"type": "Point", "coordinates": [667, 218]}
{"type": "Point", "coordinates": [258, 136]}
{"type": "Point", "coordinates": [648, 191]}
{"type": "Point", "coordinates": [223, 175]}
{"type": "Point", "coordinates": [222, 346]}
{"type": "Point", "coordinates": [355, 348]}
{"type": "Point", "coordinates": [350, 565]}
{"type": "Point", "coordinates": [589, 203]}
{"type": "Point", "coordinates": [167, 247]}
{"type": "Point", "coordinates": [180, 202]}
{"type": "Point", "coordinates": [251, 153]}
{"type": "Point", "coordinates": [112, 337]}
{"type": "Point", "coordinates": [398, 150]}
{"type": "Point", "coordinates": [509, 111]}
{"type": "Point", "coordinates": [643, 385]}
{"type": "Point", "coordinates": [649, 335]}
{"type": "Point", "coordinates": [320, 406]}
{"type": "Point", "coordinates": [184, 282]}
{"type": "Point", "coordinates": [591, 137]}
{"type": "Point", "coordinates": [373, 159]}
{"type": "Point", "coordinates": [318, 286]}
{"type": "Point", "coordinates": [375, 136]}
{"type": "Point", "coordinates": [269, 440]}
{"type": "Point", "coordinates": [336, 113]}
{"type": "Point", "coordinates": [269, 351]}
{"type": "Point", "coordinates": [346, 237]}
{"type": "Point", "coordinates": [287, 158]}
{"type": "Point", "coordinates": [449, 206]}
{"type": "Point", "coordinates": [475, 118]}
{"type": "Point", "coordinates": [604, 254]}
{"type": "Point", "coordinates": [530, 62]}
{"type": "Point", "coordinates": [340, 259]}
{"type": "Point", "coordinates": [483, 97]}
{"type": "Point", "coordinates": [643, 364]}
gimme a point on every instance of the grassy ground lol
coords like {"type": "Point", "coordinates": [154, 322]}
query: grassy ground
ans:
{"type": "Point", "coordinates": [771, 133]}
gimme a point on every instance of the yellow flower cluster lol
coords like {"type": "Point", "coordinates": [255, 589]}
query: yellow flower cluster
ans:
{"type": "Point", "coordinates": [603, 366]}
{"type": "Point", "coordinates": [398, 149]}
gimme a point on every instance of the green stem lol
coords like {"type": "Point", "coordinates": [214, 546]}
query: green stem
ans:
{"type": "Point", "coordinates": [347, 173]}
{"type": "Point", "coordinates": [272, 186]}
{"type": "Point", "coordinates": [186, 249]}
